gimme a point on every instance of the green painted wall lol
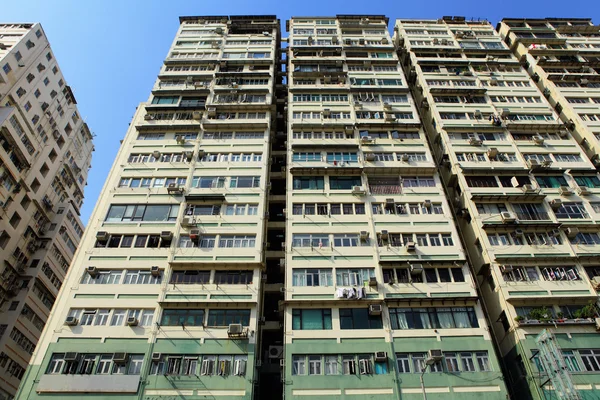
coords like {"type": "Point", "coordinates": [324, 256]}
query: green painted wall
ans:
{"type": "Point", "coordinates": [152, 382]}
{"type": "Point", "coordinates": [392, 379]}
{"type": "Point", "coordinates": [525, 387]}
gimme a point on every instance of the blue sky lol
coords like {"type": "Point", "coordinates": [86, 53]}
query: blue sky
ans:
{"type": "Point", "coordinates": [111, 51]}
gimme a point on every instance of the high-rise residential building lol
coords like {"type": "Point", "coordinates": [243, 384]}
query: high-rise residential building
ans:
{"type": "Point", "coordinates": [164, 297]}
{"type": "Point", "coordinates": [562, 56]}
{"type": "Point", "coordinates": [379, 299]}
{"type": "Point", "coordinates": [523, 191]}
{"type": "Point", "coordinates": [45, 153]}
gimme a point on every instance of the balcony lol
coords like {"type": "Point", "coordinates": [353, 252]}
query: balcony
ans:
{"type": "Point", "coordinates": [385, 189]}
{"type": "Point", "coordinates": [537, 216]}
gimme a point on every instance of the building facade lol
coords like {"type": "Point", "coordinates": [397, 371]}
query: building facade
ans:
{"type": "Point", "coordinates": [164, 297]}
{"type": "Point", "coordinates": [376, 279]}
{"type": "Point", "coordinates": [45, 154]}
{"type": "Point", "coordinates": [523, 193]}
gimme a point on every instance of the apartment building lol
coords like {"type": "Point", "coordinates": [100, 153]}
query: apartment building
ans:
{"type": "Point", "coordinates": [562, 55]}
{"type": "Point", "coordinates": [164, 298]}
{"type": "Point", "coordinates": [45, 154]}
{"type": "Point", "coordinates": [378, 292]}
{"type": "Point", "coordinates": [523, 193]}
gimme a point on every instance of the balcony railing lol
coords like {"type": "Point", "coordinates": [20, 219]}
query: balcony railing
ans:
{"type": "Point", "coordinates": [538, 216]}
{"type": "Point", "coordinates": [385, 189]}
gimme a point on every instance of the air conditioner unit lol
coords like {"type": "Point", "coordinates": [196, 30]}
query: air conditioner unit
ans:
{"type": "Point", "coordinates": [475, 141]}
{"type": "Point", "coordinates": [373, 281]}
{"type": "Point", "coordinates": [234, 329]}
{"type": "Point", "coordinates": [533, 163]}
{"type": "Point", "coordinates": [493, 82]}
{"type": "Point", "coordinates": [537, 139]}
{"type": "Point", "coordinates": [197, 115]}
{"type": "Point", "coordinates": [326, 112]}
{"type": "Point", "coordinates": [188, 221]}
{"type": "Point", "coordinates": [405, 157]}
{"type": "Point", "coordinates": [156, 154]}
{"type": "Point", "coordinates": [154, 270]}
{"type": "Point", "coordinates": [364, 235]}
{"type": "Point", "coordinates": [275, 351]}
{"type": "Point", "coordinates": [71, 321]}
{"type": "Point", "coordinates": [180, 139]}
{"type": "Point", "coordinates": [435, 355]}
{"type": "Point", "coordinates": [390, 117]}
{"type": "Point", "coordinates": [358, 190]}
{"type": "Point", "coordinates": [387, 106]}
{"type": "Point", "coordinates": [361, 41]}
{"type": "Point", "coordinates": [173, 188]}
{"type": "Point", "coordinates": [156, 356]}
{"type": "Point", "coordinates": [384, 234]}
{"type": "Point", "coordinates": [583, 191]}
{"type": "Point", "coordinates": [370, 157]}
{"type": "Point", "coordinates": [71, 356]}
{"type": "Point", "coordinates": [166, 235]}
{"type": "Point", "coordinates": [219, 30]}
{"type": "Point", "coordinates": [211, 111]}
{"type": "Point", "coordinates": [119, 358]}
{"type": "Point", "coordinates": [572, 232]}
{"type": "Point", "coordinates": [519, 232]}
{"type": "Point", "coordinates": [528, 189]}
{"type": "Point", "coordinates": [194, 234]}
{"type": "Point", "coordinates": [102, 236]}
{"type": "Point", "coordinates": [547, 163]}
{"type": "Point", "coordinates": [478, 114]}
{"type": "Point", "coordinates": [358, 104]}
{"type": "Point", "coordinates": [375, 309]}
{"type": "Point", "coordinates": [565, 191]}
{"type": "Point", "coordinates": [132, 321]}
{"type": "Point", "coordinates": [380, 356]}
{"type": "Point", "coordinates": [21, 64]}
{"type": "Point", "coordinates": [348, 41]}
{"type": "Point", "coordinates": [348, 129]}
{"type": "Point", "coordinates": [556, 203]}
{"type": "Point", "coordinates": [92, 271]}
{"type": "Point", "coordinates": [366, 139]}
{"type": "Point", "coordinates": [189, 155]}
{"type": "Point", "coordinates": [427, 203]}
{"type": "Point", "coordinates": [147, 117]}
{"type": "Point", "coordinates": [492, 152]}
{"type": "Point", "coordinates": [411, 246]}
{"type": "Point", "coordinates": [507, 216]}
{"type": "Point", "coordinates": [416, 269]}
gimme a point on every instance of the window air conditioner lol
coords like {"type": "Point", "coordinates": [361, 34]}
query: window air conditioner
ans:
{"type": "Point", "coordinates": [475, 141]}
{"type": "Point", "coordinates": [538, 139]}
{"type": "Point", "coordinates": [119, 358]}
{"type": "Point", "coordinates": [492, 152]}
{"type": "Point", "coordinates": [583, 191]}
{"type": "Point", "coordinates": [195, 234]}
{"type": "Point", "coordinates": [411, 246]}
{"type": "Point", "coordinates": [358, 190]}
{"type": "Point", "coordinates": [364, 235]}
{"type": "Point", "coordinates": [375, 309]}
{"type": "Point", "coordinates": [71, 321]}
{"type": "Point", "coordinates": [435, 355]}
{"type": "Point", "coordinates": [565, 191]}
{"type": "Point", "coordinates": [102, 236]}
{"type": "Point", "coordinates": [507, 216]}
{"type": "Point", "coordinates": [373, 281]}
{"type": "Point", "coordinates": [380, 356]}
{"type": "Point", "coordinates": [384, 234]}
{"type": "Point", "coordinates": [156, 356]}
{"type": "Point", "coordinates": [556, 203]}
{"type": "Point", "coordinates": [166, 235]}
{"type": "Point", "coordinates": [416, 269]}
{"type": "Point", "coordinates": [156, 154]}
{"type": "Point", "coordinates": [132, 321]}
{"type": "Point", "coordinates": [154, 270]}
{"type": "Point", "coordinates": [71, 356]}
{"type": "Point", "coordinates": [197, 115]}
{"type": "Point", "coordinates": [92, 271]}
{"type": "Point", "coordinates": [234, 329]}
{"type": "Point", "coordinates": [572, 232]}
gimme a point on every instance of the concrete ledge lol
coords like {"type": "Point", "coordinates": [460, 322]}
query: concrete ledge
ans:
{"type": "Point", "coordinates": [88, 383]}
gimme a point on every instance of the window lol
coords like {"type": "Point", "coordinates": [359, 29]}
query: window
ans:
{"type": "Point", "coordinates": [433, 318]}
{"type": "Point", "coordinates": [225, 317]}
{"type": "Point", "coordinates": [298, 365]}
{"type": "Point", "coordinates": [309, 183]}
{"type": "Point", "coordinates": [312, 277]}
{"type": "Point", "coordinates": [590, 359]}
{"type": "Point", "coordinates": [153, 212]}
{"type": "Point", "coordinates": [331, 365]}
{"type": "Point", "coordinates": [311, 319]}
{"type": "Point", "coordinates": [354, 276]}
{"type": "Point", "coordinates": [7, 68]}
{"type": "Point", "coordinates": [185, 317]}
{"type": "Point", "coordinates": [233, 277]}
{"type": "Point", "coordinates": [346, 240]}
{"type": "Point", "coordinates": [237, 241]}
{"type": "Point", "coordinates": [359, 318]}
{"type": "Point", "coordinates": [244, 182]}
{"type": "Point", "coordinates": [344, 182]}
